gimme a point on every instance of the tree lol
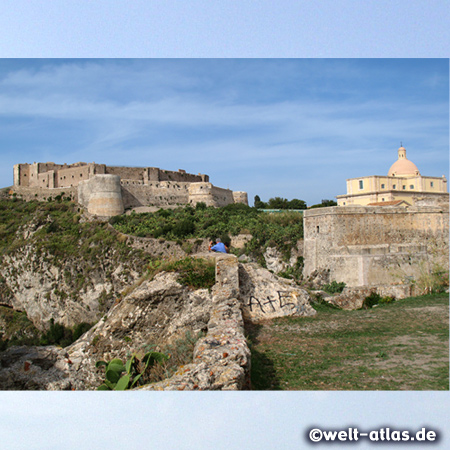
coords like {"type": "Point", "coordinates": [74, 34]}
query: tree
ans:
{"type": "Point", "coordinates": [277, 203]}
{"type": "Point", "coordinates": [324, 204]}
{"type": "Point", "coordinates": [258, 203]}
{"type": "Point", "coordinates": [296, 204]}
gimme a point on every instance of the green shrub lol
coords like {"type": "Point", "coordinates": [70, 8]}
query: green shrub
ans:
{"type": "Point", "coordinates": [194, 272]}
{"type": "Point", "coordinates": [200, 206]}
{"type": "Point", "coordinates": [58, 334]}
{"type": "Point", "coordinates": [334, 287]}
{"type": "Point", "coordinates": [376, 299]}
{"type": "Point", "coordinates": [294, 272]}
{"type": "Point", "coordinates": [284, 229]}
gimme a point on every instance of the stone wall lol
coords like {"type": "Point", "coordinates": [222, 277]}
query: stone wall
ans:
{"type": "Point", "coordinates": [129, 173]}
{"type": "Point", "coordinates": [222, 357]}
{"type": "Point", "coordinates": [209, 194]}
{"type": "Point", "coordinates": [368, 246]}
{"type": "Point", "coordinates": [240, 197]}
{"type": "Point", "coordinates": [51, 175]}
{"type": "Point", "coordinates": [156, 193]}
{"type": "Point", "coordinates": [30, 193]}
{"type": "Point", "coordinates": [101, 195]}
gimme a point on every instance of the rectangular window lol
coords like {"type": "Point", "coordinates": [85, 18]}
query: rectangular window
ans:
{"type": "Point", "coordinates": [431, 184]}
{"type": "Point", "coordinates": [404, 186]}
{"type": "Point", "coordinates": [382, 186]}
{"type": "Point", "coordinates": [361, 184]}
{"type": "Point", "coordinates": [394, 186]}
{"type": "Point", "coordinates": [411, 186]}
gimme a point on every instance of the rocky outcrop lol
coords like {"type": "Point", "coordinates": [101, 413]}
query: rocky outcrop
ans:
{"type": "Point", "coordinates": [37, 368]}
{"type": "Point", "coordinates": [46, 288]}
{"type": "Point", "coordinates": [265, 296]}
{"type": "Point", "coordinates": [160, 310]}
{"type": "Point", "coordinates": [353, 298]}
{"type": "Point", "coordinates": [276, 262]}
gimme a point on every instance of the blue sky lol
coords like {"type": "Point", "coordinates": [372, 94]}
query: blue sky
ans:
{"type": "Point", "coordinates": [351, 113]}
{"type": "Point", "coordinates": [224, 28]}
{"type": "Point", "coordinates": [295, 128]}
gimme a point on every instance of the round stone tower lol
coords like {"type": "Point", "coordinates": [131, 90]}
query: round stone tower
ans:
{"type": "Point", "coordinates": [240, 197]}
{"type": "Point", "coordinates": [102, 195]}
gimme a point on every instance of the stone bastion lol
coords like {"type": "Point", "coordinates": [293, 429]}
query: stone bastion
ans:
{"type": "Point", "coordinates": [373, 246]}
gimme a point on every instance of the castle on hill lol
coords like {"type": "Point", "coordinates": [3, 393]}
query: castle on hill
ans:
{"type": "Point", "coordinates": [403, 185]}
{"type": "Point", "coordinates": [109, 190]}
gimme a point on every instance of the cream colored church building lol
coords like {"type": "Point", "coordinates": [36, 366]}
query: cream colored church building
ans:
{"type": "Point", "coordinates": [403, 185]}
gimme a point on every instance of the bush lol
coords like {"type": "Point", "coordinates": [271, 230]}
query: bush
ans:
{"type": "Point", "coordinates": [194, 272]}
{"type": "Point", "coordinates": [376, 299]}
{"type": "Point", "coordinates": [200, 206]}
{"type": "Point", "coordinates": [334, 287]}
{"type": "Point", "coordinates": [184, 228]}
{"type": "Point", "coordinates": [58, 334]}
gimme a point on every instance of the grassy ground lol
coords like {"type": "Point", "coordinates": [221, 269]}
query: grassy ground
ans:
{"type": "Point", "coordinates": [399, 346]}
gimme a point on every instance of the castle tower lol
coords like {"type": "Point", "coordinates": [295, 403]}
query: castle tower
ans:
{"type": "Point", "coordinates": [102, 195]}
{"type": "Point", "coordinates": [240, 197]}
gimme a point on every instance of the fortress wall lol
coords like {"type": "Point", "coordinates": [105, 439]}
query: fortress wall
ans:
{"type": "Point", "coordinates": [209, 194]}
{"type": "Point", "coordinates": [431, 199]}
{"type": "Point", "coordinates": [375, 245]}
{"type": "Point", "coordinates": [162, 193]}
{"type": "Point", "coordinates": [222, 197]}
{"type": "Point", "coordinates": [153, 174]}
{"type": "Point", "coordinates": [70, 176]}
{"type": "Point", "coordinates": [181, 176]}
{"type": "Point", "coordinates": [49, 174]}
{"type": "Point", "coordinates": [46, 180]}
{"type": "Point", "coordinates": [31, 193]}
{"type": "Point", "coordinates": [129, 173]}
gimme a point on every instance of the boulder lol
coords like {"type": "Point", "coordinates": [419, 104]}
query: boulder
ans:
{"type": "Point", "coordinates": [266, 296]}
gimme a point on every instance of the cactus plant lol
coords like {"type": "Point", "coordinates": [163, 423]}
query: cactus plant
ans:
{"type": "Point", "coordinates": [134, 368]}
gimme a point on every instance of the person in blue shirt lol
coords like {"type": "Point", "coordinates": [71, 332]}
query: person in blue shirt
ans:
{"type": "Point", "coordinates": [218, 247]}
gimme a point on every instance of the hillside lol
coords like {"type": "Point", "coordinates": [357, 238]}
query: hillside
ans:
{"type": "Point", "coordinates": [55, 265]}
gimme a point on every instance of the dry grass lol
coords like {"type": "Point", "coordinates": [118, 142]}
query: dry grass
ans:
{"type": "Point", "coordinates": [399, 346]}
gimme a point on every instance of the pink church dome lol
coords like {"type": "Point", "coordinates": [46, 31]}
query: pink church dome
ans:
{"type": "Point", "coordinates": [403, 166]}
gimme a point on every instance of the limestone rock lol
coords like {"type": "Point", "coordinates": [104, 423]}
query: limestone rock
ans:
{"type": "Point", "coordinates": [160, 310]}
{"type": "Point", "coordinates": [41, 288]}
{"type": "Point", "coordinates": [274, 261]}
{"type": "Point", "coordinates": [221, 359]}
{"type": "Point", "coordinates": [38, 368]}
{"type": "Point", "coordinates": [265, 296]}
{"type": "Point", "coordinates": [353, 297]}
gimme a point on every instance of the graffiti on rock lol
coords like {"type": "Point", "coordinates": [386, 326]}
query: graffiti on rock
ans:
{"type": "Point", "coordinates": [269, 305]}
